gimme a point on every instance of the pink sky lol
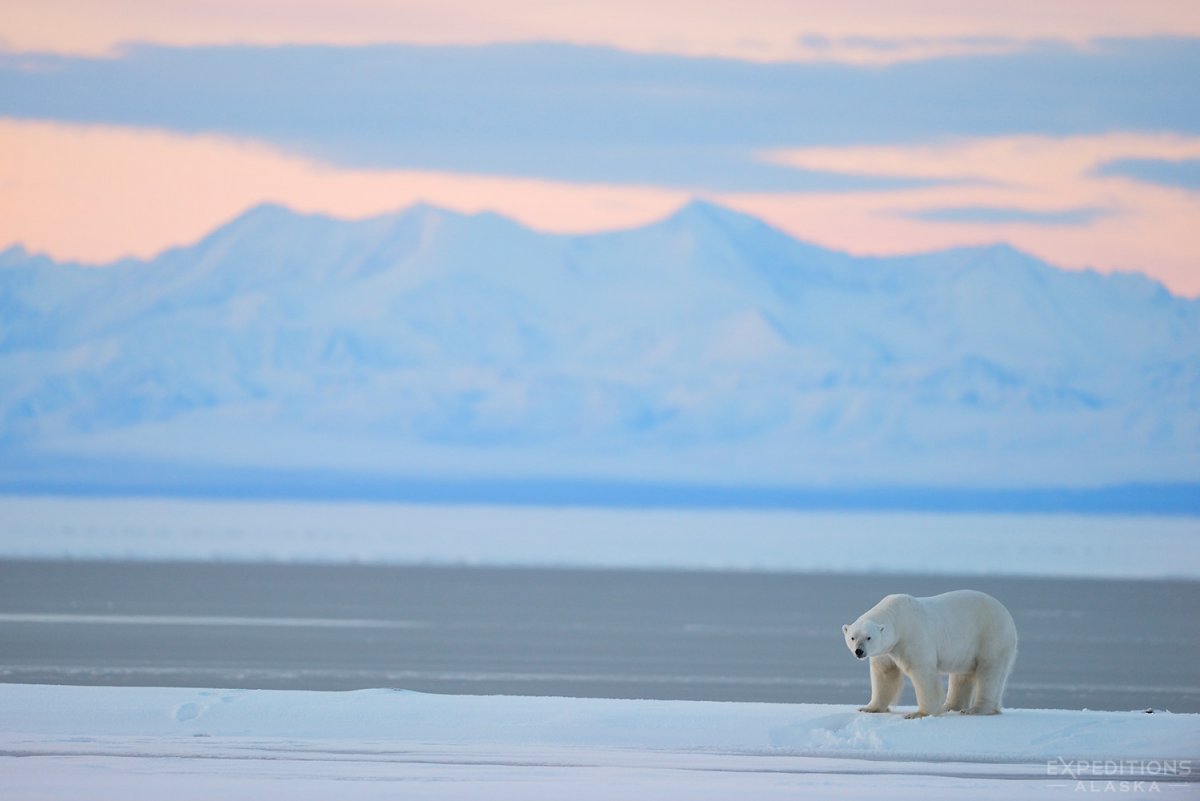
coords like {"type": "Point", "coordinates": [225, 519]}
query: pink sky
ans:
{"type": "Point", "coordinates": [96, 193]}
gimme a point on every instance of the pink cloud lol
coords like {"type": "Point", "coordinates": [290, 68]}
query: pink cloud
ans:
{"type": "Point", "coordinates": [860, 31]}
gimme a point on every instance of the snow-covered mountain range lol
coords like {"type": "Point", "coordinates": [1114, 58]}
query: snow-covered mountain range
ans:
{"type": "Point", "coordinates": [707, 347]}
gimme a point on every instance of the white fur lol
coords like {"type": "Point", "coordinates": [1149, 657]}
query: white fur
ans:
{"type": "Point", "coordinates": [965, 633]}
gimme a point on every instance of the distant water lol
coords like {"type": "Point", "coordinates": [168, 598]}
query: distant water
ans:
{"type": "Point", "coordinates": [976, 544]}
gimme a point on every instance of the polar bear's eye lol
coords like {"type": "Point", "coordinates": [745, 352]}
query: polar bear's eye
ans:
{"type": "Point", "coordinates": [868, 639]}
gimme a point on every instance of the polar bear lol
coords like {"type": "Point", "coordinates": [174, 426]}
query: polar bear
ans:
{"type": "Point", "coordinates": [965, 633]}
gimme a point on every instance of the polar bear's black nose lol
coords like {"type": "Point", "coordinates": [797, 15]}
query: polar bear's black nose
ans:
{"type": "Point", "coordinates": [858, 652]}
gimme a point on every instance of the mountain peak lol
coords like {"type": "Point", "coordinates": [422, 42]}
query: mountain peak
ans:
{"type": "Point", "coordinates": [755, 240]}
{"type": "Point", "coordinates": [267, 213]}
{"type": "Point", "coordinates": [422, 210]}
{"type": "Point", "coordinates": [1003, 251]}
{"type": "Point", "coordinates": [14, 255]}
{"type": "Point", "coordinates": [19, 257]}
{"type": "Point", "coordinates": [254, 222]}
{"type": "Point", "coordinates": [700, 212]}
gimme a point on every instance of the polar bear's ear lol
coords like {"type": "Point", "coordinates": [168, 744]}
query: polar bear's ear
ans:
{"type": "Point", "coordinates": [845, 628]}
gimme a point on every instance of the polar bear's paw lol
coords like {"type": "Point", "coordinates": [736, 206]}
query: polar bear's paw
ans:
{"type": "Point", "coordinates": [982, 710]}
{"type": "Point", "coordinates": [874, 709]}
{"type": "Point", "coordinates": [915, 715]}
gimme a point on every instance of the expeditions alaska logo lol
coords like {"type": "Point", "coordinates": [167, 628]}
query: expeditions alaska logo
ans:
{"type": "Point", "coordinates": [1118, 775]}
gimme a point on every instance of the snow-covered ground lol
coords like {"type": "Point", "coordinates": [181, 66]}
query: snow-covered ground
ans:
{"type": "Point", "coordinates": [158, 743]}
{"type": "Point", "coordinates": [964, 544]}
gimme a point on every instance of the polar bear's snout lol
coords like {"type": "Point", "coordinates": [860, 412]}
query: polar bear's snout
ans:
{"type": "Point", "coordinates": [860, 653]}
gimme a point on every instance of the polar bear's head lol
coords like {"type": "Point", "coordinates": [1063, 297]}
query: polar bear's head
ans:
{"type": "Point", "coordinates": [866, 638]}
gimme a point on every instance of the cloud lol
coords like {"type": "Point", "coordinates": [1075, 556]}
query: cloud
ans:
{"type": "Point", "coordinates": [1043, 194]}
{"type": "Point", "coordinates": [878, 50]}
{"type": "Point", "coordinates": [567, 113]}
{"type": "Point", "coordinates": [858, 31]}
{"type": "Point", "coordinates": [1180, 174]}
{"type": "Point", "coordinates": [1004, 216]}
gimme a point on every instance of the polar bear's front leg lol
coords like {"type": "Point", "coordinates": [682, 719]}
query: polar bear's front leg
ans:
{"type": "Point", "coordinates": [886, 683]}
{"type": "Point", "coordinates": [930, 695]}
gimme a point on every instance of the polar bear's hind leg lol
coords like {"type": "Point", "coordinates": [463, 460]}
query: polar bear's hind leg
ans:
{"type": "Point", "coordinates": [990, 680]}
{"type": "Point", "coordinates": [962, 687]}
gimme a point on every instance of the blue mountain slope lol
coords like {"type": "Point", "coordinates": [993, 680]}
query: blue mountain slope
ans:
{"type": "Point", "coordinates": [705, 347]}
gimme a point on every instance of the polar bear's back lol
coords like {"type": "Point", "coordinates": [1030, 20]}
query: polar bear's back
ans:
{"type": "Point", "coordinates": [974, 621]}
{"type": "Point", "coordinates": [966, 602]}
